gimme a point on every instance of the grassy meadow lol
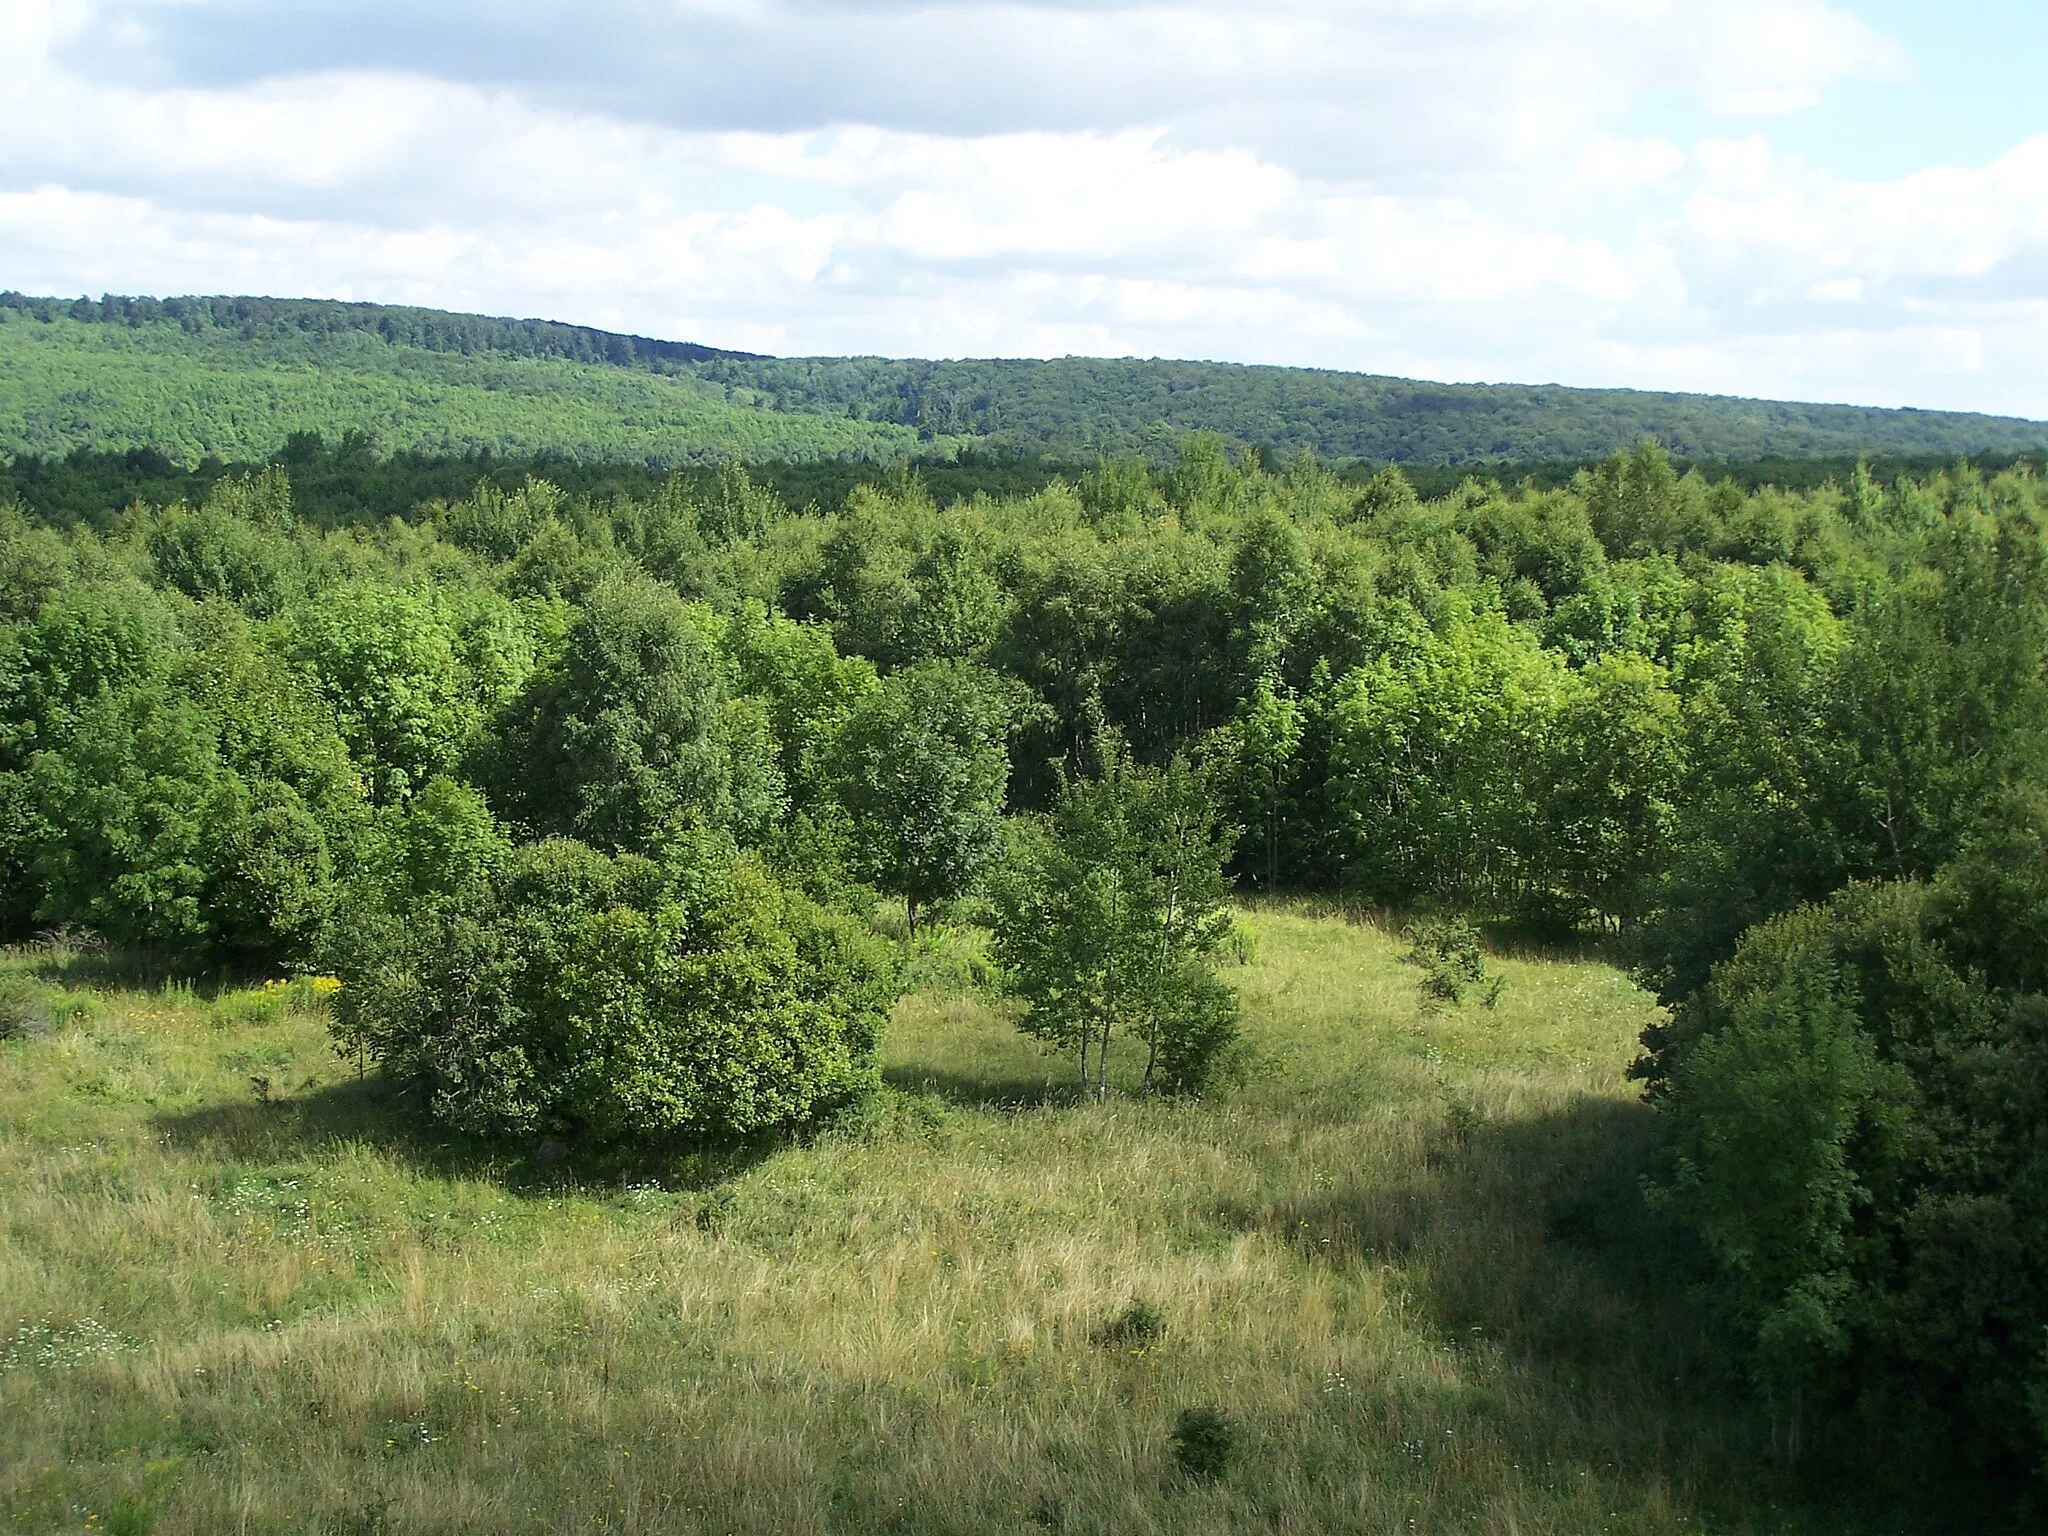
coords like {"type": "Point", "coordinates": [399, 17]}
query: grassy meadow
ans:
{"type": "Point", "coordinates": [240, 1291]}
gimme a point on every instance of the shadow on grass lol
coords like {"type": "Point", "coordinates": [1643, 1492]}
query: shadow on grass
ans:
{"type": "Point", "coordinates": [86, 966]}
{"type": "Point", "coordinates": [996, 1091]}
{"type": "Point", "coordinates": [370, 1113]}
{"type": "Point", "coordinates": [1531, 1240]}
{"type": "Point", "coordinates": [1505, 938]}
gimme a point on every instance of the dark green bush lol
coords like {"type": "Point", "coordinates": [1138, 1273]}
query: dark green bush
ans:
{"type": "Point", "coordinates": [1138, 1326]}
{"type": "Point", "coordinates": [575, 992]}
{"type": "Point", "coordinates": [1203, 1443]}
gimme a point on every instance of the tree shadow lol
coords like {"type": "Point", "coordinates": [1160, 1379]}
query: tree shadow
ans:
{"type": "Point", "coordinates": [1528, 1243]}
{"type": "Point", "coordinates": [1516, 1201]}
{"type": "Point", "coordinates": [1001, 1091]}
{"type": "Point", "coordinates": [372, 1113]}
{"type": "Point", "coordinates": [1531, 1241]}
{"type": "Point", "coordinates": [83, 965]}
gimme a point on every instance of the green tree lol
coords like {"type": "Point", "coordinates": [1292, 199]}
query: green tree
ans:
{"type": "Point", "coordinates": [922, 766]}
{"type": "Point", "coordinates": [809, 689]}
{"type": "Point", "coordinates": [1764, 1110]}
{"type": "Point", "coordinates": [386, 659]}
{"type": "Point", "coordinates": [1434, 749]}
{"type": "Point", "coordinates": [239, 545]}
{"type": "Point", "coordinates": [956, 606]}
{"type": "Point", "coordinates": [1611, 771]}
{"type": "Point", "coordinates": [1259, 751]}
{"type": "Point", "coordinates": [630, 732]}
{"type": "Point", "coordinates": [1110, 918]}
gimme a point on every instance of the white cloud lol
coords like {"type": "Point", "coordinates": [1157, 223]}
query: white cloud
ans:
{"type": "Point", "coordinates": [1447, 189]}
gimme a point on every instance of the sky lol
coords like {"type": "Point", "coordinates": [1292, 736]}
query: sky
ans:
{"type": "Point", "coordinates": [1783, 198]}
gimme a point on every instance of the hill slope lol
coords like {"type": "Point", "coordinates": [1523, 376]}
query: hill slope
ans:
{"type": "Point", "coordinates": [1124, 403]}
{"type": "Point", "coordinates": [193, 388]}
{"type": "Point", "coordinates": [233, 377]}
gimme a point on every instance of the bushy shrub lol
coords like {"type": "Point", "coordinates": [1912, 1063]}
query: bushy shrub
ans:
{"type": "Point", "coordinates": [1856, 1103]}
{"type": "Point", "coordinates": [1452, 962]}
{"type": "Point", "coordinates": [621, 997]}
{"type": "Point", "coordinates": [1138, 1326]}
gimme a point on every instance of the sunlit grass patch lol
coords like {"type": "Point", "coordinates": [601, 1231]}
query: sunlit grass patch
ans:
{"type": "Point", "coordinates": [1403, 1265]}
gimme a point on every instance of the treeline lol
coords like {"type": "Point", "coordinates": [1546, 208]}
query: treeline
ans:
{"type": "Point", "coordinates": [591, 796]}
{"type": "Point", "coordinates": [431, 330]}
{"type": "Point", "coordinates": [237, 392]}
{"type": "Point", "coordinates": [349, 481]}
{"type": "Point", "coordinates": [1125, 405]}
{"type": "Point", "coordinates": [200, 376]}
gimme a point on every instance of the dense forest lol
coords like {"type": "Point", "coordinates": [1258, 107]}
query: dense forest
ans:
{"type": "Point", "coordinates": [589, 797]}
{"type": "Point", "coordinates": [233, 377]}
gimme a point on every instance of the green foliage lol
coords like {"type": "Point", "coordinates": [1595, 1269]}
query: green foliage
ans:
{"type": "Point", "coordinates": [1204, 1442]}
{"type": "Point", "coordinates": [238, 546]}
{"type": "Point", "coordinates": [808, 688]}
{"type": "Point", "coordinates": [1785, 745]}
{"type": "Point", "coordinates": [1138, 1327]}
{"type": "Point", "coordinates": [1447, 949]}
{"type": "Point", "coordinates": [1764, 1112]}
{"type": "Point", "coordinates": [1855, 1107]}
{"type": "Point", "coordinates": [183, 796]}
{"type": "Point", "coordinates": [233, 377]}
{"type": "Point", "coordinates": [386, 660]}
{"type": "Point", "coordinates": [565, 990]}
{"type": "Point", "coordinates": [1611, 769]}
{"type": "Point", "coordinates": [921, 769]}
{"type": "Point", "coordinates": [237, 392]}
{"type": "Point", "coordinates": [1258, 753]}
{"type": "Point", "coordinates": [1127, 405]}
{"type": "Point", "coordinates": [630, 733]}
{"type": "Point", "coordinates": [1434, 751]}
{"type": "Point", "coordinates": [1110, 922]}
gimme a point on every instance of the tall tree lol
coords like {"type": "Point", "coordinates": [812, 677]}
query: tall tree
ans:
{"type": "Point", "coordinates": [630, 733]}
{"type": "Point", "coordinates": [922, 767]}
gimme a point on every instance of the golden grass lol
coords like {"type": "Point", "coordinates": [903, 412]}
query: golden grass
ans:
{"type": "Point", "coordinates": [1407, 1261]}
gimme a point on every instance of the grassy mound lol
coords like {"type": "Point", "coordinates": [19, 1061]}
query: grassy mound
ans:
{"type": "Point", "coordinates": [1400, 1281]}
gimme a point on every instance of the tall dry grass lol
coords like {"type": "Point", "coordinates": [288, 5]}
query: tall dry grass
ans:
{"type": "Point", "coordinates": [241, 1291]}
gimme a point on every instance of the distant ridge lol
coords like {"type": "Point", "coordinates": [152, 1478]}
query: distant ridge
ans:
{"type": "Point", "coordinates": [233, 377]}
{"type": "Point", "coordinates": [432, 330]}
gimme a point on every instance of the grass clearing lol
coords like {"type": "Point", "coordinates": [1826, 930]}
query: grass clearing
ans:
{"type": "Point", "coordinates": [1404, 1268]}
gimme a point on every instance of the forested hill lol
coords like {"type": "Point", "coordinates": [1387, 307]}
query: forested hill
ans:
{"type": "Point", "coordinates": [1121, 404]}
{"type": "Point", "coordinates": [233, 377]}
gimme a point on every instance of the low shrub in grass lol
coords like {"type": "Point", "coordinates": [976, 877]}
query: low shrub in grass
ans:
{"type": "Point", "coordinates": [1453, 965]}
{"type": "Point", "coordinates": [22, 1008]}
{"type": "Point", "coordinates": [570, 991]}
{"type": "Point", "coordinates": [1138, 1326]}
{"type": "Point", "coordinates": [1203, 1441]}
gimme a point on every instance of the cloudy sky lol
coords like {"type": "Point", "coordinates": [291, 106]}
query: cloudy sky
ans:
{"type": "Point", "coordinates": [1840, 201]}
